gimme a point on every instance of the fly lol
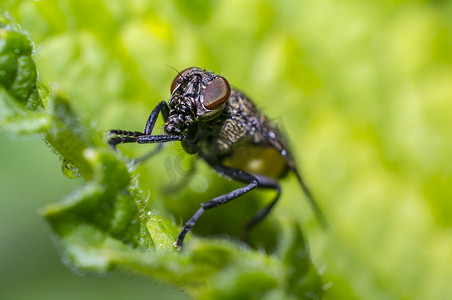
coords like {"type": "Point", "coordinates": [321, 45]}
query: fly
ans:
{"type": "Point", "coordinates": [225, 128]}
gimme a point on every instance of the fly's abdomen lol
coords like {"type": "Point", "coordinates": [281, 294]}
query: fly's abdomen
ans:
{"type": "Point", "coordinates": [260, 160]}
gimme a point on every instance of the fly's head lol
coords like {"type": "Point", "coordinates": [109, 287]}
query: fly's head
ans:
{"type": "Point", "coordinates": [197, 95]}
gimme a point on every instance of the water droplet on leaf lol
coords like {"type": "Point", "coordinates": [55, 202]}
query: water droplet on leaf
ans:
{"type": "Point", "coordinates": [70, 170]}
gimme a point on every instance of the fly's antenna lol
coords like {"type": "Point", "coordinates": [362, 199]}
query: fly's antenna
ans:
{"type": "Point", "coordinates": [174, 70]}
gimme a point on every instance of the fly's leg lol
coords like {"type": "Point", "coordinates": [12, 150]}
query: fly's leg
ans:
{"type": "Point", "coordinates": [252, 181]}
{"type": "Point", "coordinates": [161, 107]}
{"type": "Point", "coordinates": [233, 173]}
{"type": "Point", "coordinates": [268, 183]}
{"type": "Point", "coordinates": [121, 136]}
{"type": "Point", "coordinates": [316, 209]}
{"type": "Point", "coordinates": [152, 139]}
{"type": "Point", "coordinates": [286, 153]}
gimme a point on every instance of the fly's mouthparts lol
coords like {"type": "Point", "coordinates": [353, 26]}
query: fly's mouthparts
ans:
{"type": "Point", "coordinates": [177, 123]}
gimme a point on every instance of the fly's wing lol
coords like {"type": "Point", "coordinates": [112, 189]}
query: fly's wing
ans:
{"type": "Point", "coordinates": [275, 137]}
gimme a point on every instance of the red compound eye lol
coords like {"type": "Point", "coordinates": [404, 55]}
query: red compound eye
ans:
{"type": "Point", "coordinates": [216, 93]}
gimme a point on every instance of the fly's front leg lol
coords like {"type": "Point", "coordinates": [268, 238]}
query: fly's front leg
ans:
{"type": "Point", "coordinates": [161, 107]}
{"type": "Point", "coordinates": [122, 136]}
{"type": "Point", "coordinates": [116, 137]}
{"type": "Point", "coordinates": [164, 109]}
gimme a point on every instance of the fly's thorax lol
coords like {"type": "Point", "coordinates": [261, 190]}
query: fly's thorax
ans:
{"type": "Point", "coordinates": [196, 96]}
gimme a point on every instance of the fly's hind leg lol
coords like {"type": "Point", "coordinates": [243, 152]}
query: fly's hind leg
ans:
{"type": "Point", "coordinates": [283, 148]}
{"type": "Point", "coordinates": [315, 207]}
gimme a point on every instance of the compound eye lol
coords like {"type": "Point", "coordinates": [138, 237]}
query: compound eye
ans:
{"type": "Point", "coordinates": [216, 93]}
{"type": "Point", "coordinates": [176, 80]}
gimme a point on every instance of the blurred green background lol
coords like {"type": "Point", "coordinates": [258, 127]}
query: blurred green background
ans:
{"type": "Point", "coordinates": [363, 89]}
